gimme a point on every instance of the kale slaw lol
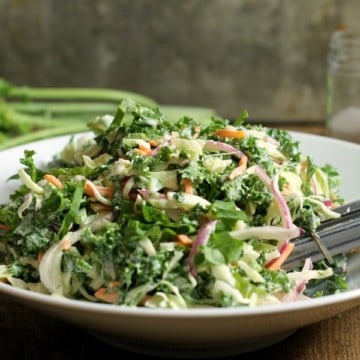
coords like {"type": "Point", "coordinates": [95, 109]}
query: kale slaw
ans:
{"type": "Point", "coordinates": [147, 212]}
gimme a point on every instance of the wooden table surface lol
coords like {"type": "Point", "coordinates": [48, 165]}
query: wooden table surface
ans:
{"type": "Point", "coordinates": [26, 334]}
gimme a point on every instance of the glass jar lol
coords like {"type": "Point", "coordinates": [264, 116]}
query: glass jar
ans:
{"type": "Point", "coordinates": [343, 86]}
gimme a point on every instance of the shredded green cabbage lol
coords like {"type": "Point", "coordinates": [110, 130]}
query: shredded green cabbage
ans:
{"type": "Point", "coordinates": [149, 212]}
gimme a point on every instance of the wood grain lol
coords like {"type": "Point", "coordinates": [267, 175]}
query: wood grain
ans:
{"type": "Point", "coordinates": [26, 334]}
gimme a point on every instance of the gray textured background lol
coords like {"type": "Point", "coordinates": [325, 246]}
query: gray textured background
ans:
{"type": "Point", "coordinates": [266, 56]}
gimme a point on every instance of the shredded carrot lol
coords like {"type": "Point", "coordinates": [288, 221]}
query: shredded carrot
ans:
{"type": "Point", "coordinates": [153, 143]}
{"type": "Point", "coordinates": [184, 240]}
{"type": "Point", "coordinates": [114, 284]}
{"type": "Point", "coordinates": [240, 169]}
{"type": "Point", "coordinates": [54, 181]}
{"type": "Point", "coordinates": [99, 207]}
{"type": "Point", "coordinates": [276, 263]}
{"type": "Point", "coordinates": [107, 191]}
{"type": "Point", "coordinates": [65, 244]}
{"type": "Point", "coordinates": [143, 150]}
{"type": "Point", "coordinates": [107, 296]}
{"type": "Point", "coordinates": [188, 187]}
{"type": "Point", "coordinates": [4, 227]}
{"type": "Point", "coordinates": [40, 256]}
{"type": "Point", "coordinates": [231, 133]}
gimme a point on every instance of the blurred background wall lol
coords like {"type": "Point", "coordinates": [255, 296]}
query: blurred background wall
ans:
{"type": "Point", "coordinates": [266, 56]}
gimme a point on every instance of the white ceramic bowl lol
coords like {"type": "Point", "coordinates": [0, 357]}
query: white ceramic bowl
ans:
{"type": "Point", "coordinates": [197, 333]}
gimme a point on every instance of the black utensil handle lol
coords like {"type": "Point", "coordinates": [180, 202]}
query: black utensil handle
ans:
{"type": "Point", "coordinates": [338, 236]}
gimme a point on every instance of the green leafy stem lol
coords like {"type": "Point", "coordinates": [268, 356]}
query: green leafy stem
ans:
{"type": "Point", "coordinates": [32, 113]}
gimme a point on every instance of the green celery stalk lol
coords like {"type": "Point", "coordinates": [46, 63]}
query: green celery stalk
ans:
{"type": "Point", "coordinates": [41, 134]}
{"type": "Point", "coordinates": [64, 109]}
{"type": "Point", "coordinates": [30, 113]}
{"type": "Point", "coordinates": [27, 93]}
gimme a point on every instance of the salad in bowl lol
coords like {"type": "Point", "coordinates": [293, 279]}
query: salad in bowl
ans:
{"type": "Point", "coordinates": [145, 212]}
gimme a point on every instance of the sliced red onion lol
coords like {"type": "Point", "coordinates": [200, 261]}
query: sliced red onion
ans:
{"type": "Point", "coordinates": [146, 194]}
{"type": "Point", "coordinates": [157, 149]}
{"type": "Point", "coordinates": [329, 203]}
{"type": "Point", "coordinates": [202, 238]}
{"type": "Point", "coordinates": [264, 177]}
{"type": "Point", "coordinates": [284, 209]}
{"type": "Point", "coordinates": [296, 292]}
{"type": "Point", "coordinates": [211, 145]}
{"type": "Point", "coordinates": [273, 187]}
{"type": "Point", "coordinates": [300, 285]}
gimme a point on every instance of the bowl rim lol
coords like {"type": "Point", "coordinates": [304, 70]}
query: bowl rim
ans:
{"type": "Point", "coordinates": [31, 297]}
